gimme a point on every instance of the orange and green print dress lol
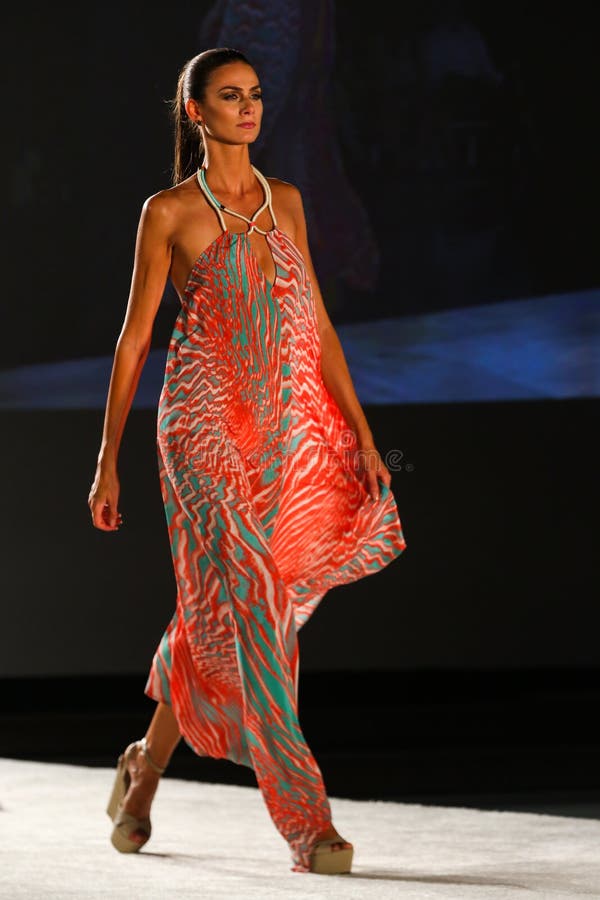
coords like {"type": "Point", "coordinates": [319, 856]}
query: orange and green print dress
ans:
{"type": "Point", "coordinates": [265, 512]}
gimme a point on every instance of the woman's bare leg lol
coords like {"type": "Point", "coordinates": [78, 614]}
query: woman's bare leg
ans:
{"type": "Point", "coordinates": [162, 737]}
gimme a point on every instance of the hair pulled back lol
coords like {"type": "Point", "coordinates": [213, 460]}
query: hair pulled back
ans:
{"type": "Point", "coordinates": [192, 82]}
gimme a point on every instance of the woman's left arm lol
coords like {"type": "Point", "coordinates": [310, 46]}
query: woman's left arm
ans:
{"type": "Point", "coordinates": [334, 367]}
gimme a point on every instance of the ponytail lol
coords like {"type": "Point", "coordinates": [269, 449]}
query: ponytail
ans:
{"type": "Point", "coordinates": [192, 81]}
{"type": "Point", "coordinates": [189, 146]}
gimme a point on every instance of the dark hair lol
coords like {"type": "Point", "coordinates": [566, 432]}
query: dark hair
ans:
{"type": "Point", "coordinates": [192, 81]}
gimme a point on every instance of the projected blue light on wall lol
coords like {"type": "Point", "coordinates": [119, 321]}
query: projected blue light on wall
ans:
{"type": "Point", "coordinates": [532, 349]}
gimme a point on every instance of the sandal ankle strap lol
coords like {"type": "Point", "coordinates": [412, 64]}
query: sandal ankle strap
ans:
{"type": "Point", "coordinates": [149, 759]}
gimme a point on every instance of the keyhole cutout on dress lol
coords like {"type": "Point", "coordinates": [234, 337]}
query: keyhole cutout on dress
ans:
{"type": "Point", "coordinates": [263, 255]}
{"type": "Point", "coordinates": [257, 240]}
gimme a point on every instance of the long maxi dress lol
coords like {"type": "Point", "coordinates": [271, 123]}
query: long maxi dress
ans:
{"type": "Point", "coordinates": [265, 511]}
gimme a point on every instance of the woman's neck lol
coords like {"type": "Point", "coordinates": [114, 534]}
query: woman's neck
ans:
{"type": "Point", "coordinates": [229, 171]}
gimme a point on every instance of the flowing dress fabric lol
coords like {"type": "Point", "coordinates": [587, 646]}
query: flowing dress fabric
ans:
{"type": "Point", "coordinates": [265, 513]}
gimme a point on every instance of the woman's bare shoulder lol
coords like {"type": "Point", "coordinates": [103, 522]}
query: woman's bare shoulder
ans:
{"type": "Point", "coordinates": [287, 203]}
{"type": "Point", "coordinates": [285, 193]}
{"type": "Point", "coordinates": [170, 203]}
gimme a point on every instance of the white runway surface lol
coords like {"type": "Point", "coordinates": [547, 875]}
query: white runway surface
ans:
{"type": "Point", "coordinates": [217, 841]}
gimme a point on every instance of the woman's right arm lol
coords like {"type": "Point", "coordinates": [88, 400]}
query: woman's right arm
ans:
{"type": "Point", "coordinates": [150, 271]}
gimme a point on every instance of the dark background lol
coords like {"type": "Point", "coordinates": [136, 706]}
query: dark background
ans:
{"type": "Point", "coordinates": [446, 160]}
{"type": "Point", "coordinates": [439, 171]}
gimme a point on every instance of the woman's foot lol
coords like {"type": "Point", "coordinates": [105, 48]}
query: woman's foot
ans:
{"type": "Point", "coordinates": [331, 833]}
{"type": "Point", "coordinates": [324, 858]}
{"type": "Point", "coordinates": [142, 788]}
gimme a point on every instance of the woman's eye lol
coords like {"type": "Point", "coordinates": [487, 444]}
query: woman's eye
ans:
{"type": "Point", "coordinates": [232, 96]}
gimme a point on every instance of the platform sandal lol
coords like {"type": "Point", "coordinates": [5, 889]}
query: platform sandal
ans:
{"type": "Point", "coordinates": [124, 822]}
{"type": "Point", "coordinates": [324, 860]}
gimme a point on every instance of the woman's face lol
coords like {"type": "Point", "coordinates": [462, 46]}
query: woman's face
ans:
{"type": "Point", "coordinates": [232, 107]}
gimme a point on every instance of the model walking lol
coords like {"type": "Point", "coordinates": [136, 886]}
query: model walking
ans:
{"type": "Point", "coordinates": [273, 489]}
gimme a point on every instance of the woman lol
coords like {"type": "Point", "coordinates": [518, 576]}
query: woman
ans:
{"type": "Point", "coordinates": [273, 489]}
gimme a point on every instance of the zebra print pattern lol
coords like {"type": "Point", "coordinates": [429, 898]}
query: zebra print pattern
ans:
{"type": "Point", "coordinates": [265, 513]}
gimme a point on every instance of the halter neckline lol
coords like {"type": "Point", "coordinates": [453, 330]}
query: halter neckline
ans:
{"type": "Point", "coordinates": [220, 208]}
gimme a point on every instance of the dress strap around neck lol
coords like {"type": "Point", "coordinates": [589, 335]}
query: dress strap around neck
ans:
{"type": "Point", "coordinates": [268, 196]}
{"type": "Point", "coordinates": [220, 207]}
{"type": "Point", "coordinates": [201, 177]}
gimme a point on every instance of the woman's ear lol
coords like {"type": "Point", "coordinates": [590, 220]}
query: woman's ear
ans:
{"type": "Point", "coordinates": [193, 110]}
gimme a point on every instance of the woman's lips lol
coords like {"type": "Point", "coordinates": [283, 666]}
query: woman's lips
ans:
{"type": "Point", "coordinates": [247, 125]}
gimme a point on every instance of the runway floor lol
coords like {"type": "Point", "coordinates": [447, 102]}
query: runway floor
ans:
{"type": "Point", "coordinates": [217, 841]}
{"type": "Point", "coordinates": [453, 785]}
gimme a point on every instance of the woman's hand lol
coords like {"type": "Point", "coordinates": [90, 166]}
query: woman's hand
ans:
{"type": "Point", "coordinates": [371, 466]}
{"type": "Point", "coordinates": [103, 499]}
